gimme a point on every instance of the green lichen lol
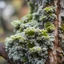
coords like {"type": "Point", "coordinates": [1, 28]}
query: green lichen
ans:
{"type": "Point", "coordinates": [49, 27]}
{"type": "Point", "coordinates": [32, 38]}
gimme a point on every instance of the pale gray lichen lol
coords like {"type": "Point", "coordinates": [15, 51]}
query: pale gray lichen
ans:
{"type": "Point", "coordinates": [32, 40]}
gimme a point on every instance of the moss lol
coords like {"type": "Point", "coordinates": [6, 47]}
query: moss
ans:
{"type": "Point", "coordinates": [35, 49]}
{"type": "Point", "coordinates": [30, 31]}
{"type": "Point", "coordinates": [49, 27]}
{"type": "Point", "coordinates": [49, 9]}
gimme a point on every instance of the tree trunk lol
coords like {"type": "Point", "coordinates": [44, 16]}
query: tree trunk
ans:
{"type": "Point", "coordinates": [53, 54]}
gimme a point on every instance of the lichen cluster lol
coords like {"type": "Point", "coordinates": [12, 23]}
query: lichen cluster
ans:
{"type": "Point", "coordinates": [32, 38]}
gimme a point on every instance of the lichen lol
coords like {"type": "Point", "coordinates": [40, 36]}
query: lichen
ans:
{"type": "Point", "coordinates": [32, 38]}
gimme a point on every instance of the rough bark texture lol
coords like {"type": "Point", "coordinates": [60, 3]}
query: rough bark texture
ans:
{"type": "Point", "coordinates": [53, 54]}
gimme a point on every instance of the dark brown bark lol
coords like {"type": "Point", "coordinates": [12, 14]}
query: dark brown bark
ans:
{"type": "Point", "coordinates": [53, 55]}
{"type": "Point", "coordinates": [4, 54]}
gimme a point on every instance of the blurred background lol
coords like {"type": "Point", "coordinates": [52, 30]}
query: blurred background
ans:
{"type": "Point", "coordinates": [10, 10]}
